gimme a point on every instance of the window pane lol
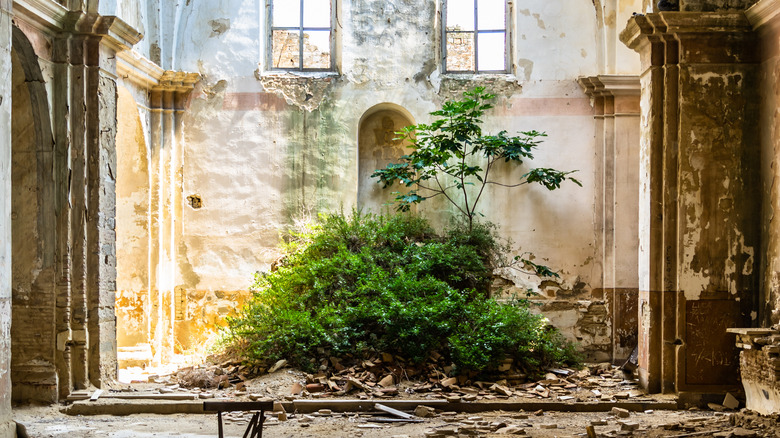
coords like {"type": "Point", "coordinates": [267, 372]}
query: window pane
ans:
{"type": "Point", "coordinates": [286, 13]}
{"type": "Point", "coordinates": [492, 51]}
{"type": "Point", "coordinates": [491, 14]}
{"type": "Point", "coordinates": [460, 14]}
{"type": "Point", "coordinates": [316, 49]}
{"type": "Point", "coordinates": [460, 51]}
{"type": "Point", "coordinates": [285, 49]}
{"type": "Point", "coordinates": [316, 13]}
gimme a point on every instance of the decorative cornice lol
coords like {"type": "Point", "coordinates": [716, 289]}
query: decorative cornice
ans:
{"type": "Point", "coordinates": [177, 81]}
{"type": "Point", "coordinates": [117, 33]}
{"type": "Point", "coordinates": [610, 85]}
{"type": "Point", "coordinates": [45, 15]}
{"type": "Point", "coordinates": [137, 69]}
{"type": "Point", "coordinates": [698, 22]}
{"type": "Point", "coordinates": [658, 24]}
{"type": "Point", "coordinates": [763, 12]}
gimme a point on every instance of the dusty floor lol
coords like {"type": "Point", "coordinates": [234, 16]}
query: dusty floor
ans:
{"type": "Point", "coordinates": [49, 422]}
{"type": "Point", "coordinates": [605, 388]}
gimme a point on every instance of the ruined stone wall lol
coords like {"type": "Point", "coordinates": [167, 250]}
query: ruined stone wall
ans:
{"type": "Point", "coordinates": [765, 18]}
{"type": "Point", "coordinates": [7, 427]}
{"type": "Point", "coordinates": [699, 234]}
{"type": "Point", "coordinates": [263, 148]}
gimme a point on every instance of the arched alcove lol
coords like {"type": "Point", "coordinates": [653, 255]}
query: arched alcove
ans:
{"type": "Point", "coordinates": [34, 209]}
{"type": "Point", "coordinates": [132, 233]}
{"type": "Point", "coordinates": [378, 146]}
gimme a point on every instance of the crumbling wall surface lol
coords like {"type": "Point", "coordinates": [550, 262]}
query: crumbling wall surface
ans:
{"type": "Point", "coordinates": [759, 372]}
{"type": "Point", "coordinates": [700, 237]}
{"type": "Point", "coordinates": [33, 255]}
{"type": "Point", "coordinates": [132, 222]}
{"type": "Point", "coordinates": [769, 305]}
{"type": "Point", "coordinates": [7, 426]}
{"type": "Point", "coordinates": [585, 323]}
{"type": "Point", "coordinates": [265, 147]}
{"type": "Point", "coordinates": [101, 220]}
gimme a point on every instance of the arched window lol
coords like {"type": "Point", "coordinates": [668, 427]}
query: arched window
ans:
{"type": "Point", "coordinates": [475, 37]}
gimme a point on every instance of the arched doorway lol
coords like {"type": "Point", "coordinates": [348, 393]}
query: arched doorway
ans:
{"type": "Point", "coordinates": [378, 146]}
{"type": "Point", "coordinates": [34, 213]}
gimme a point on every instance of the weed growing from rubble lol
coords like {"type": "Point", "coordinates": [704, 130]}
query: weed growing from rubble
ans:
{"type": "Point", "coordinates": [361, 284]}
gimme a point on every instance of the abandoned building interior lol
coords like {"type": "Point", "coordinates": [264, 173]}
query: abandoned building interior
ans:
{"type": "Point", "coordinates": [152, 150]}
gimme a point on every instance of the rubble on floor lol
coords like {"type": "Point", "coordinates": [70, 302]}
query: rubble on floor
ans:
{"type": "Point", "coordinates": [386, 377]}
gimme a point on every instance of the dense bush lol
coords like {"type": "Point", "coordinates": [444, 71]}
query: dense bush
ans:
{"type": "Point", "coordinates": [360, 284]}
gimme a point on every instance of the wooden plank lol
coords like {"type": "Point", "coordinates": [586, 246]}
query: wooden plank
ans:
{"type": "Point", "coordinates": [392, 411]}
{"type": "Point", "coordinates": [227, 406]}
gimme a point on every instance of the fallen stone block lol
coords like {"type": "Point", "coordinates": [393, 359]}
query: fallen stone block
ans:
{"type": "Point", "coordinates": [424, 411]}
{"type": "Point", "coordinates": [620, 412]}
{"type": "Point", "coordinates": [629, 425]}
{"type": "Point", "coordinates": [730, 402]}
{"type": "Point", "coordinates": [511, 430]}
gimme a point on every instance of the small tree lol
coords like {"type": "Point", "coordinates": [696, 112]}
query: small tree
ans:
{"type": "Point", "coordinates": [451, 154]}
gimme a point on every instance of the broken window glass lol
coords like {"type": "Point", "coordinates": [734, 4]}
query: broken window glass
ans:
{"type": "Point", "coordinates": [301, 35]}
{"type": "Point", "coordinates": [476, 36]}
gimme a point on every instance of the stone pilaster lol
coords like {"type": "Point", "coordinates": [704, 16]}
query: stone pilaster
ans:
{"type": "Point", "coordinates": [168, 101]}
{"type": "Point", "coordinates": [616, 104]}
{"type": "Point", "coordinates": [7, 427]}
{"type": "Point", "coordinates": [93, 43]}
{"type": "Point", "coordinates": [698, 238]}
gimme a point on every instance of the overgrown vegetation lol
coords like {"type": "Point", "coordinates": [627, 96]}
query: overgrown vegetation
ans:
{"type": "Point", "coordinates": [452, 158]}
{"type": "Point", "coordinates": [361, 284]}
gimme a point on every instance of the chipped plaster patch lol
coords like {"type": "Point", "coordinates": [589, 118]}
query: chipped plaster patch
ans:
{"type": "Point", "coordinates": [219, 26]}
{"type": "Point", "coordinates": [303, 92]}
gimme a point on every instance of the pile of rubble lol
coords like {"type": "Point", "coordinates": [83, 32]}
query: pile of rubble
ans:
{"type": "Point", "coordinates": [383, 378]}
{"type": "Point", "coordinates": [386, 377]}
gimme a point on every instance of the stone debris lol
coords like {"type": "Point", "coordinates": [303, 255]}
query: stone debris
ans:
{"type": "Point", "coordinates": [424, 411]}
{"type": "Point", "coordinates": [383, 375]}
{"type": "Point", "coordinates": [277, 366]}
{"type": "Point", "coordinates": [730, 402]}
{"type": "Point", "coordinates": [620, 412]}
{"type": "Point", "coordinates": [628, 425]}
{"type": "Point", "coordinates": [511, 430]}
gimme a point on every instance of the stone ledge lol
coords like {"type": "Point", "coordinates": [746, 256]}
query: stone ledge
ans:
{"type": "Point", "coordinates": [125, 407]}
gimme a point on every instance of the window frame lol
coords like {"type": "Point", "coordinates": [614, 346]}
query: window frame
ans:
{"type": "Point", "coordinates": [507, 40]}
{"type": "Point", "coordinates": [301, 29]}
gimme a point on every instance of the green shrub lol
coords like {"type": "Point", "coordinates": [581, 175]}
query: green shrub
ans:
{"type": "Point", "coordinates": [364, 283]}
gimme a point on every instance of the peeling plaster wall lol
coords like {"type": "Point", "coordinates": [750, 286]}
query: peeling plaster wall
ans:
{"type": "Point", "coordinates": [132, 223]}
{"type": "Point", "coordinates": [263, 148]}
{"type": "Point", "coordinates": [769, 301]}
{"type": "Point", "coordinates": [7, 427]}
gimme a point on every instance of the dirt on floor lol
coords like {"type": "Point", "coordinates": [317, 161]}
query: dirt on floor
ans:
{"type": "Point", "coordinates": [47, 422]}
{"type": "Point", "coordinates": [540, 416]}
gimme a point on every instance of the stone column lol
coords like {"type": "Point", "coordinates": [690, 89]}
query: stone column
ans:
{"type": "Point", "coordinates": [7, 426]}
{"type": "Point", "coordinates": [698, 231]}
{"type": "Point", "coordinates": [616, 104]}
